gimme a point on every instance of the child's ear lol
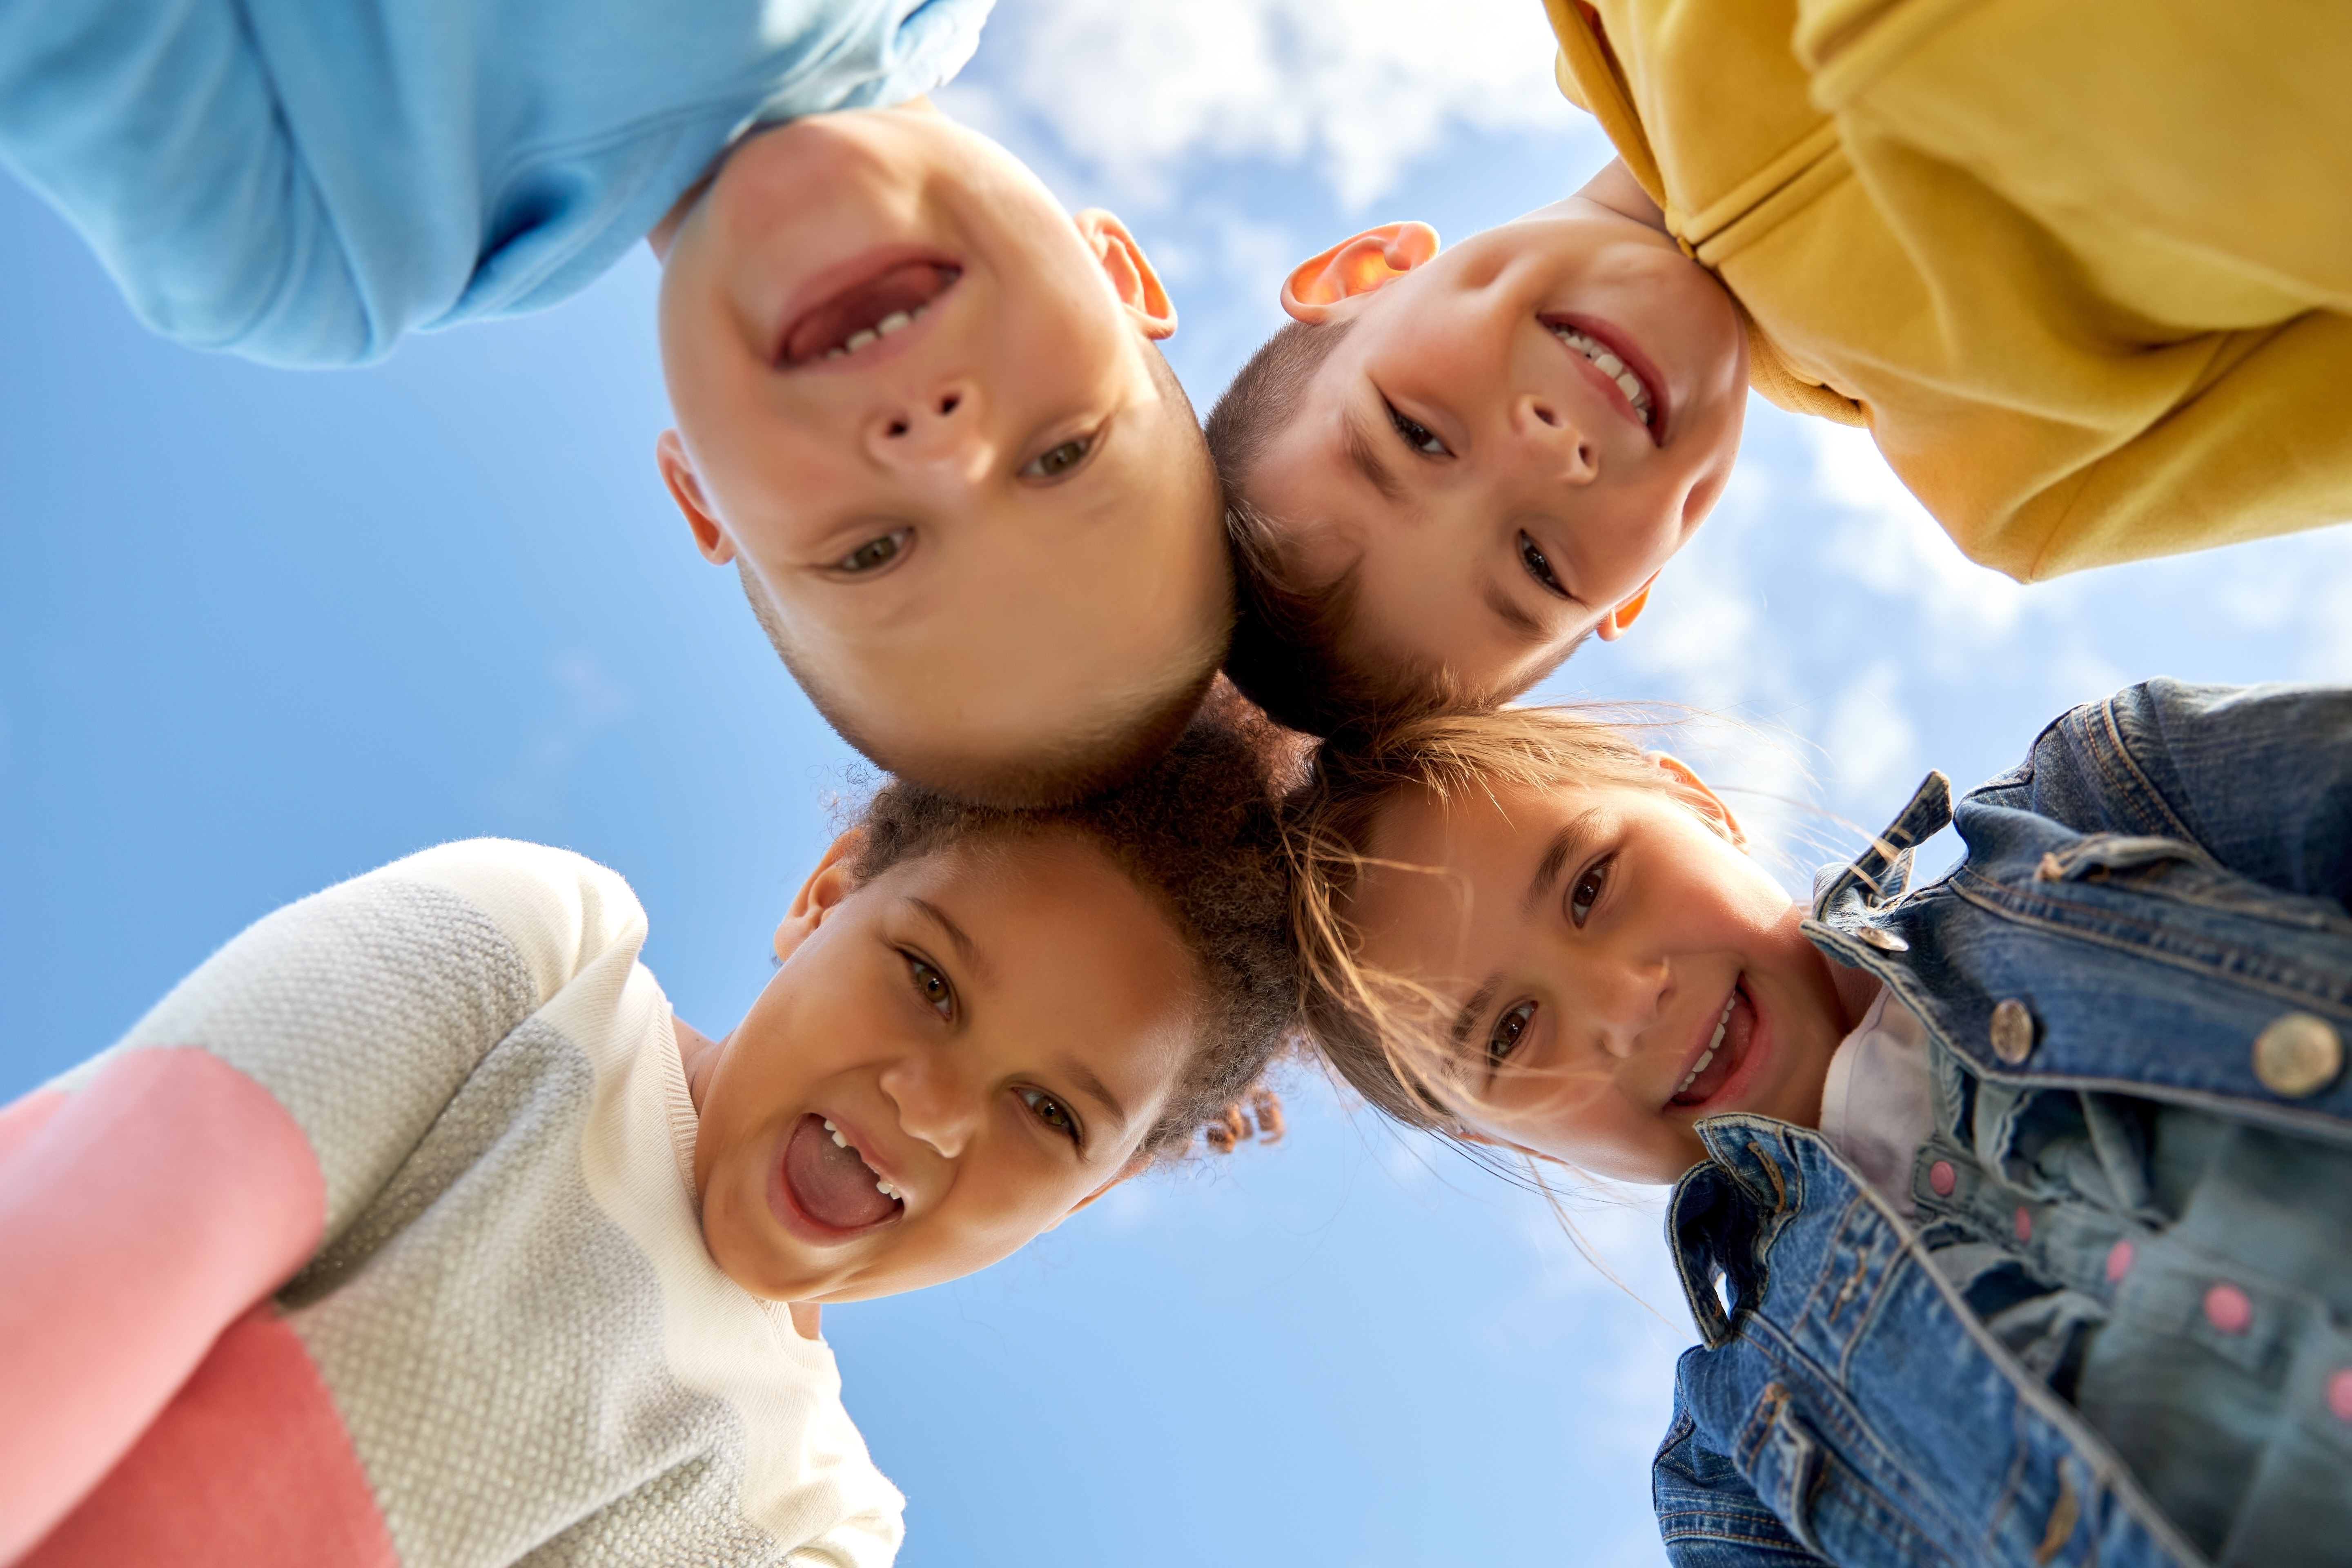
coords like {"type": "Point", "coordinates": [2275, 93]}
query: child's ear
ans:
{"type": "Point", "coordinates": [686, 490]}
{"type": "Point", "coordinates": [1129, 271]}
{"type": "Point", "coordinates": [1359, 264]}
{"type": "Point", "coordinates": [1701, 799]}
{"type": "Point", "coordinates": [826, 888]}
{"type": "Point", "coordinates": [1613, 625]}
{"type": "Point", "coordinates": [1134, 1167]}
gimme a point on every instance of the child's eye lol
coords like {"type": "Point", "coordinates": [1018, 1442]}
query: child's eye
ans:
{"type": "Point", "coordinates": [1052, 1112]}
{"type": "Point", "coordinates": [932, 986]}
{"type": "Point", "coordinates": [1588, 888]}
{"type": "Point", "coordinates": [1417, 436]}
{"type": "Point", "coordinates": [875, 552]}
{"type": "Point", "coordinates": [1509, 1030]}
{"type": "Point", "coordinates": [1539, 565]}
{"type": "Point", "coordinates": [1057, 460]}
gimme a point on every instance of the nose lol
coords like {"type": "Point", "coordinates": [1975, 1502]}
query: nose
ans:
{"type": "Point", "coordinates": [940, 425]}
{"type": "Point", "coordinates": [1552, 440]}
{"type": "Point", "coordinates": [1621, 999]}
{"type": "Point", "coordinates": [935, 1107]}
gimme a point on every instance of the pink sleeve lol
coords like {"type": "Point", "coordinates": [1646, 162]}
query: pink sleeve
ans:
{"type": "Point", "coordinates": [139, 1216]}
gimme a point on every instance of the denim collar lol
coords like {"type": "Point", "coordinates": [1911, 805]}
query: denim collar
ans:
{"type": "Point", "coordinates": [1882, 873]}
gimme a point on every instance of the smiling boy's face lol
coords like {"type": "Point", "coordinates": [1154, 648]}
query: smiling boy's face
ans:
{"type": "Point", "coordinates": [990, 1032]}
{"type": "Point", "coordinates": [1511, 439]}
{"type": "Point", "coordinates": [1619, 968]}
{"type": "Point", "coordinates": [917, 403]}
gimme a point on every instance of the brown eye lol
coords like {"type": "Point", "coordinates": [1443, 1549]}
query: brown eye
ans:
{"type": "Point", "coordinates": [1510, 1031]}
{"type": "Point", "coordinates": [1055, 461]}
{"type": "Point", "coordinates": [932, 987]}
{"type": "Point", "coordinates": [1050, 1112]}
{"type": "Point", "coordinates": [874, 551]}
{"type": "Point", "coordinates": [1587, 892]}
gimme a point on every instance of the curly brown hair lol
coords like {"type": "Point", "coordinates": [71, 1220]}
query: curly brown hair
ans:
{"type": "Point", "coordinates": [1199, 832]}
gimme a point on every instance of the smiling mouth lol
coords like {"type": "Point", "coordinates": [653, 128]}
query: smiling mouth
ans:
{"type": "Point", "coordinates": [863, 314]}
{"type": "Point", "coordinates": [832, 1184]}
{"type": "Point", "coordinates": [1726, 1052]}
{"type": "Point", "coordinates": [1616, 362]}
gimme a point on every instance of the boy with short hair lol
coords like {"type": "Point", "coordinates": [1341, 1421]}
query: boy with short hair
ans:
{"type": "Point", "coordinates": [2080, 271]}
{"type": "Point", "coordinates": [918, 403]}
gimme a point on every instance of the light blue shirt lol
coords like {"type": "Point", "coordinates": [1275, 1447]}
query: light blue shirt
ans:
{"type": "Point", "coordinates": [304, 182]}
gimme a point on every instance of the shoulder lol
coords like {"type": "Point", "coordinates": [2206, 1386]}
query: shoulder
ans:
{"type": "Point", "coordinates": [558, 909]}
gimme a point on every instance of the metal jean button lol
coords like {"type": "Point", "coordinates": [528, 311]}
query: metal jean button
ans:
{"type": "Point", "coordinates": [2297, 1055]}
{"type": "Point", "coordinates": [2013, 1031]}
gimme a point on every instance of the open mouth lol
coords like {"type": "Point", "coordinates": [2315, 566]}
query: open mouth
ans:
{"type": "Point", "coordinates": [861, 313]}
{"type": "Point", "coordinates": [1726, 1052]}
{"type": "Point", "coordinates": [830, 1184]}
{"type": "Point", "coordinates": [1633, 377]}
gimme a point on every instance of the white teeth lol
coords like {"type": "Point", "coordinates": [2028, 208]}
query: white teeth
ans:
{"type": "Point", "coordinates": [1610, 365]}
{"type": "Point", "coordinates": [836, 353]}
{"type": "Point", "coordinates": [891, 323]}
{"type": "Point", "coordinates": [1707, 1054]}
{"type": "Point", "coordinates": [859, 339]}
{"type": "Point", "coordinates": [839, 1142]}
{"type": "Point", "coordinates": [886, 1189]}
{"type": "Point", "coordinates": [829, 1127]}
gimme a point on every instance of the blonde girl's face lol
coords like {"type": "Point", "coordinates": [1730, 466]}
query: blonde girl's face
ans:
{"type": "Point", "coordinates": [1613, 966]}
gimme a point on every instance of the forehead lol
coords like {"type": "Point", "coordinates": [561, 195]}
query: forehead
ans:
{"type": "Point", "coordinates": [1068, 953]}
{"type": "Point", "coordinates": [1451, 872]}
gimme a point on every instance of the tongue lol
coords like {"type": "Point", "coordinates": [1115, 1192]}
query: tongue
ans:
{"type": "Point", "coordinates": [909, 287]}
{"type": "Point", "coordinates": [1738, 1030]}
{"type": "Point", "coordinates": [831, 1183]}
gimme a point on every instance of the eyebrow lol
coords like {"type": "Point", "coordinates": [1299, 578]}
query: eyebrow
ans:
{"type": "Point", "coordinates": [966, 949]}
{"type": "Point", "coordinates": [1568, 841]}
{"type": "Point", "coordinates": [1517, 621]}
{"type": "Point", "coordinates": [1359, 443]}
{"type": "Point", "coordinates": [1094, 1089]}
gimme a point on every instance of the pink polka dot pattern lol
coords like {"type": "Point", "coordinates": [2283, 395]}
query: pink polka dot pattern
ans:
{"type": "Point", "coordinates": [2227, 1309]}
{"type": "Point", "coordinates": [2024, 1224]}
{"type": "Point", "coordinates": [2339, 1393]}
{"type": "Point", "coordinates": [2119, 1262]}
{"type": "Point", "coordinates": [1940, 1177]}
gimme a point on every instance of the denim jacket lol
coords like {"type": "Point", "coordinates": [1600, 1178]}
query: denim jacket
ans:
{"type": "Point", "coordinates": [2141, 904]}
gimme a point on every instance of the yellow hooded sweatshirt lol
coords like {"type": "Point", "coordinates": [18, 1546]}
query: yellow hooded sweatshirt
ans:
{"type": "Point", "coordinates": [2083, 267]}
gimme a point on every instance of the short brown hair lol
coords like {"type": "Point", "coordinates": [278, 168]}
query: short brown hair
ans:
{"type": "Point", "coordinates": [1200, 832]}
{"type": "Point", "coordinates": [1384, 1035]}
{"type": "Point", "coordinates": [1293, 649]}
{"type": "Point", "coordinates": [1126, 731]}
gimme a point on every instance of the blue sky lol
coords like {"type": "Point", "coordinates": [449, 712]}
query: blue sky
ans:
{"type": "Point", "coordinates": [259, 631]}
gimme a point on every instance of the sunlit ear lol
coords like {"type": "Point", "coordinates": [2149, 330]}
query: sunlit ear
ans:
{"type": "Point", "coordinates": [1360, 264]}
{"type": "Point", "coordinates": [686, 490]}
{"type": "Point", "coordinates": [826, 886]}
{"type": "Point", "coordinates": [1133, 1168]}
{"type": "Point", "coordinates": [1613, 625]}
{"type": "Point", "coordinates": [1701, 799]}
{"type": "Point", "coordinates": [1129, 271]}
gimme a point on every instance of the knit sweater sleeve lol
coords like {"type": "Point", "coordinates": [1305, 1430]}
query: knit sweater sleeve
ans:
{"type": "Point", "coordinates": [151, 1197]}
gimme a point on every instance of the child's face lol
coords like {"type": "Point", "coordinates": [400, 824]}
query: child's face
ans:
{"type": "Point", "coordinates": [915, 401]}
{"type": "Point", "coordinates": [1498, 492]}
{"type": "Point", "coordinates": [991, 1030]}
{"type": "Point", "coordinates": [1600, 943]}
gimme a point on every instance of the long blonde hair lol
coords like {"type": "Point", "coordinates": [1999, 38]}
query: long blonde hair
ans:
{"type": "Point", "coordinates": [1384, 1034]}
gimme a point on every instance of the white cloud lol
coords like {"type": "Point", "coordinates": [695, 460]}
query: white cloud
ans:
{"type": "Point", "coordinates": [1355, 88]}
{"type": "Point", "coordinates": [1870, 739]}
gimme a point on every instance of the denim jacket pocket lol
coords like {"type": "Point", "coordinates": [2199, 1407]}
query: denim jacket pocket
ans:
{"type": "Point", "coordinates": [2185, 873]}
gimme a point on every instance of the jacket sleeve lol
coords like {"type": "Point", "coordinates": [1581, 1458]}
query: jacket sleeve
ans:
{"type": "Point", "coordinates": [2260, 776]}
{"type": "Point", "coordinates": [1709, 1515]}
{"type": "Point", "coordinates": [155, 1194]}
{"type": "Point", "coordinates": [154, 126]}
